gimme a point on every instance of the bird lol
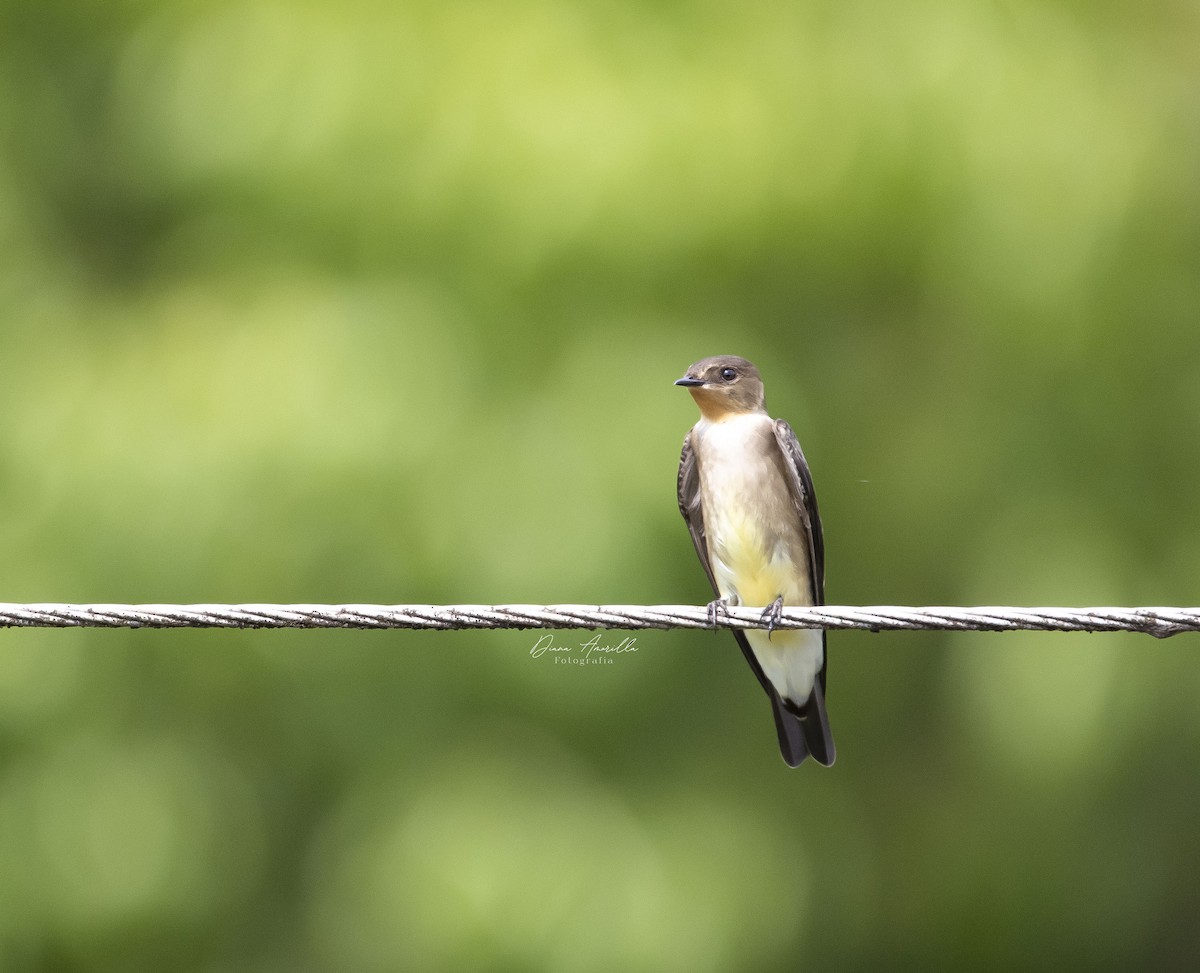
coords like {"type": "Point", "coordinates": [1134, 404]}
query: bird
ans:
{"type": "Point", "coordinates": [746, 494]}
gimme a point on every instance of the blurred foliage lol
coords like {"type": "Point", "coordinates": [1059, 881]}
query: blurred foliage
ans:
{"type": "Point", "coordinates": [382, 302]}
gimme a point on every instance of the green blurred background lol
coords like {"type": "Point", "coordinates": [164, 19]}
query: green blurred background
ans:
{"type": "Point", "coordinates": [303, 301]}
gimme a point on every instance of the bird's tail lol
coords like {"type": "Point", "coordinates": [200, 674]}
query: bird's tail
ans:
{"type": "Point", "coordinates": [804, 732]}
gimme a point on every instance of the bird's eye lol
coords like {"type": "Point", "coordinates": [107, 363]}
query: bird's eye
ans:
{"type": "Point", "coordinates": [728, 374]}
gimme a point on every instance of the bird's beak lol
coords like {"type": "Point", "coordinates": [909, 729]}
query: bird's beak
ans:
{"type": "Point", "coordinates": [690, 383]}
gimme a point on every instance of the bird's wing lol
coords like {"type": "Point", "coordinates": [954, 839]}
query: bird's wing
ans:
{"type": "Point", "coordinates": [688, 488]}
{"type": "Point", "coordinates": [804, 499]}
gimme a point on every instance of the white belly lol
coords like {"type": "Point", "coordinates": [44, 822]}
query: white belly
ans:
{"type": "Point", "coordinates": [755, 543]}
{"type": "Point", "coordinates": [791, 660]}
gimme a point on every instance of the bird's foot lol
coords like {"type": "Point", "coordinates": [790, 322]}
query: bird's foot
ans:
{"type": "Point", "coordinates": [715, 607]}
{"type": "Point", "coordinates": [772, 614]}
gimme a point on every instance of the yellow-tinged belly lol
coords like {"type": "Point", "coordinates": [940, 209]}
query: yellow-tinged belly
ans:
{"type": "Point", "coordinates": [750, 574]}
{"type": "Point", "coordinates": [748, 567]}
{"type": "Point", "coordinates": [755, 542]}
{"type": "Point", "coordinates": [756, 545]}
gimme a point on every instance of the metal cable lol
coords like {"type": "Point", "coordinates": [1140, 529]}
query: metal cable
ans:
{"type": "Point", "coordinates": [1159, 622]}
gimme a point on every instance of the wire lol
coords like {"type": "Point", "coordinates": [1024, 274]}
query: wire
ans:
{"type": "Point", "coordinates": [1159, 622]}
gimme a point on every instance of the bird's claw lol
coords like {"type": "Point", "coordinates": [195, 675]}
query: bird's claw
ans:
{"type": "Point", "coordinates": [715, 607]}
{"type": "Point", "coordinates": [772, 614]}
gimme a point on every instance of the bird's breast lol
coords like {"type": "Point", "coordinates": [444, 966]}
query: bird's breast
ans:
{"type": "Point", "coordinates": [756, 545]}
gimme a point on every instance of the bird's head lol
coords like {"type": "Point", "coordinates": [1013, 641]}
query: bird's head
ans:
{"type": "Point", "coordinates": [724, 386]}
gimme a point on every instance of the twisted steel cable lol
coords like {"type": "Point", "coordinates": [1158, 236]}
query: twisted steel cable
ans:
{"type": "Point", "coordinates": [1159, 622]}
